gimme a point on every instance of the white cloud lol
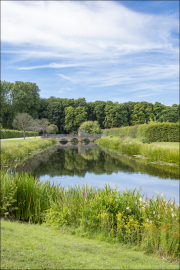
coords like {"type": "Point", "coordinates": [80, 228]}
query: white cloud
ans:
{"type": "Point", "coordinates": [81, 27]}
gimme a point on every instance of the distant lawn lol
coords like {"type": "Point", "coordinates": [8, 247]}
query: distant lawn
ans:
{"type": "Point", "coordinates": [17, 142]}
{"type": "Point", "coordinates": [167, 144]}
{"type": "Point", "coordinates": [26, 246]}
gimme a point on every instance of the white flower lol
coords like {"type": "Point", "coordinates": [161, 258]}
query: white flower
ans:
{"type": "Point", "coordinates": [140, 199]}
{"type": "Point", "coordinates": [127, 208]}
{"type": "Point", "coordinates": [157, 193]}
{"type": "Point", "coordinates": [158, 216]}
{"type": "Point", "coordinates": [171, 203]}
{"type": "Point", "coordinates": [162, 195]}
{"type": "Point", "coordinates": [171, 209]}
{"type": "Point", "coordinates": [154, 212]}
{"type": "Point", "coordinates": [172, 215]}
{"type": "Point", "coordinates": [147, 219]}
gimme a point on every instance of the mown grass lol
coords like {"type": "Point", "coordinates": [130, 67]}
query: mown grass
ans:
{"type": "Point", "coordinates": [11, 154]}
{"type": "Point", "coordinates": [119, 217]}
{"type": "Point", "coordinates": [30, 246]}
{"type": "Point", "coordinates": [172, 145]}
{"type": "Point", "coordinates": [19, 141]}
{"type": "Point", "coordinates": [155, 152]}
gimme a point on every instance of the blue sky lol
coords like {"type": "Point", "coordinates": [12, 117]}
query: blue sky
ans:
{"type": "Point", "coordinates": [101, 50]}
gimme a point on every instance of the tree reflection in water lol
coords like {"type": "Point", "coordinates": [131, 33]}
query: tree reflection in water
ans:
{"type": "Point", "coordinates": [77, 160]}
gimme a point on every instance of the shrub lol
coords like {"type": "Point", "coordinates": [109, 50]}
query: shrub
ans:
{"type": "Point", "coordinates": [8, 133]}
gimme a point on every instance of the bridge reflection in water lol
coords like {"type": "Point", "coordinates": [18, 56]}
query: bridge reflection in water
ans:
{"type": "Point", "coordinates": [80, 146]}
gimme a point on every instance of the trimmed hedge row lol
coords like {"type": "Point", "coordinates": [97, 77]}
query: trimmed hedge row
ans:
{"type": "Point", "coordinates": [9, 133]}
{"type": "Point", "coordinates": [153, 132]}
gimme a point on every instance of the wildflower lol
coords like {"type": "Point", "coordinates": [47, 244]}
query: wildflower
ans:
{"type": "Point", "coordinates": [140, 199]}
{"type": "Point", "coordinates": [162, 195]}
{"type": "Point", "coordinates": [147, 219]}
{"type": "Point", "coordinates": [172, 215]}
{"type": "Point", "coordinates": [171, 209]}
{"type": "Point", "coordinates": [154, 212]}
{"type": "Point", "coordinates": [49, 192]}
{"type": "Point", "coordinates": [84, 193]}
{"type": "Point", "coordinates": [157, 193]}
{"type": "Point", "coordinates": [127, 208]}
{"type": "Point", "coordinates": [158, 216]}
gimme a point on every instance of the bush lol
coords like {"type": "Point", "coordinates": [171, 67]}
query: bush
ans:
{"type": "Point", "coordinates": [10, 133]}
{"type": "Point", "coordinates": [152, 132]}
{"type": "Point", "coordinates": [91, 127]}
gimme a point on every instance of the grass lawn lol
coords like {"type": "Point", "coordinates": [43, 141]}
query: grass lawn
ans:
{"type": "Point", "coordinates": [172, 145]}
{"type": "Point", "coordinates": [17, 142]}
{"type": "Point", "coordinates": [27, 246]}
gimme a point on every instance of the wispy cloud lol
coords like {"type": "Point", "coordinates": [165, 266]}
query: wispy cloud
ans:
{"type": "Point", "coordinates": [94, 44]}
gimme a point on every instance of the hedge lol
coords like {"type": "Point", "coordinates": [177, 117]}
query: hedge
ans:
{"type": "Point", "coordinates": [153, 132]}
{"type": "Point", "coordinates": [9, 133]}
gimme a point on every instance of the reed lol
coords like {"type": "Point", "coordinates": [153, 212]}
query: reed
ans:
{"type": "Point", "coordinates": [131, 147]}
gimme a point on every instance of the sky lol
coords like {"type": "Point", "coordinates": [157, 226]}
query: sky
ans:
{"type": "Point", "coordinates": [100, 50]}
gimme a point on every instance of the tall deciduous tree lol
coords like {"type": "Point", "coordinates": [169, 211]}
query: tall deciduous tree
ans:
{"type": "Point", "coordinates": [44, 123]}
{"type": "Point", "coordinates": [22, 121]}
{"type": "Point", "coordinates": [36, 126]}
{"type": "Point", "coordinates": [25, 98]}
{"type": "Point", "coordinates": [55, 115]}
{"type": "Point", "coordinates": [73, 118]}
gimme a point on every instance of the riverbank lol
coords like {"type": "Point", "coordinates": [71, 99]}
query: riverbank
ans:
{"type": "Point", "coordinates": [150, 225]}
{"type": "Point", "coordinates": [133, 147]}
{"type": "Point", "coordinates": [40, 247]}
{"type": "Point", "coordinates": [15, 151]}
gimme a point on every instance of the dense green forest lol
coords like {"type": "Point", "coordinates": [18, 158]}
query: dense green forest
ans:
{"type": "Point", "coordinates": [68, 114]}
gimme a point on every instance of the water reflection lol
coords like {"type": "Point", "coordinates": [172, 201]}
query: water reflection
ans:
{"type": "Point", "coordinates": [90, 164]}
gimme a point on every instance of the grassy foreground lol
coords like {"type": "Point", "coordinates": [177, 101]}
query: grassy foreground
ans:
{"type": "Point", "coordinates": [29, 246]}
{"type": "Point", "coordinates": [166, 152]}
{"type": "Point", "coordinates": [120, 217]}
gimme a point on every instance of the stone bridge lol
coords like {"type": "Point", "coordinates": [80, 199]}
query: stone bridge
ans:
{"type": "Point", "coordinates": [69, 137]}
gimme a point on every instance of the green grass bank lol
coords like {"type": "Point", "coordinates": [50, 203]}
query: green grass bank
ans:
{"type": "Point", "coordinates": [16, 151]}
{"type": "Point", "coordinates": [41, 247]}
{"type": "Point", "coordinates": [132, 147]}
{"type": "Point", "coordinates": [151, 225]}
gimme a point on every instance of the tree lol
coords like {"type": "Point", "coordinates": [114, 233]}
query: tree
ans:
{"type": "Point", "coordinates": [6, 105]}
{"type": "Point", "coordinates": [44, 123]}
{"type": "Point", "coordinates": [91, 127]}
{"type": "Point", "coordinates": [73, 118]}
{"type": "Point", "coordinates": [142, 113]}
{"type": "Point", "coordinates": [52, 129]}
{"type": "Point", "coordinates": [55, 115]}
{"type": "Point", "coordinates": [25, 98]}
{"type": "Point", "coordinates": [99, 112]}
{"type": "Point", "coordinates": [22, 121]}
{"type": "Point", "coordinates": [36, 126]}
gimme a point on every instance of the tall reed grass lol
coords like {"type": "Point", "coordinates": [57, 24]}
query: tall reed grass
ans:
{"type": "Point", "coordinates": [150, 224]}
{"type": "Point", "coordinates": [153, 152]}
{"type": "Point", "coordinates": [14, 153]}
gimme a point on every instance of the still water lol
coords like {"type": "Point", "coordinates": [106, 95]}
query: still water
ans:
{"type": "Point", "coordinates": [72, 165]}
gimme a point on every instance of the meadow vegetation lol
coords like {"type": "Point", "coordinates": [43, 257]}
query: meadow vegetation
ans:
{"type": "Point", "coordinates": [107, 214]}
{"type": "Point", "coordinates": [135, 147]}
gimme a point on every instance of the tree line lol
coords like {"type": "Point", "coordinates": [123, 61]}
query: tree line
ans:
{"type": "Point", "coordinates": [69, 114]}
